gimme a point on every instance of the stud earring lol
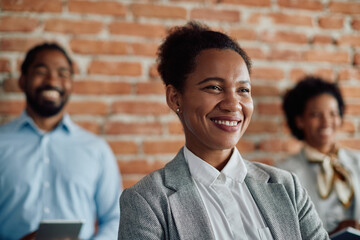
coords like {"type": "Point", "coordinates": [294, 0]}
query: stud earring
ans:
{"type": "Point", "coordinates": [178, 110]}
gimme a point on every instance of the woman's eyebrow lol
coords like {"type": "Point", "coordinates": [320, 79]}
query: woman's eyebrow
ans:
{"type": "Point", "coordinates": [221, 80]}
{"type": "Point", "coordinates": [211, 79]}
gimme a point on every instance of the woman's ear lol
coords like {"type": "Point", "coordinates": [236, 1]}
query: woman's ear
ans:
{"type": "Point", "coordinates": [173, 98]}
{"type": "Point", "coordinates": [299, 122]}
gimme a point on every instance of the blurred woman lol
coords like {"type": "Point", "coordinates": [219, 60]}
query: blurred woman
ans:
{"type": "Point", "coordinates": [314, 110]}
{"type": "Point", "coordinates": [208, 191]}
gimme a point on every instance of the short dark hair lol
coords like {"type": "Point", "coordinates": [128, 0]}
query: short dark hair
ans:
{"type": "Point", "coordinates": [31, 55]}
{"type": "Point", "coordinates": [176, 55]}
{"type": "Point", "coordinates": [295, 100]}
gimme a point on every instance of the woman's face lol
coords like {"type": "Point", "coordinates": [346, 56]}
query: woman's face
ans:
{"type": "Point", "coordinates": [320, 122]}
{"type": "Point", "coordinates": [216, 104]}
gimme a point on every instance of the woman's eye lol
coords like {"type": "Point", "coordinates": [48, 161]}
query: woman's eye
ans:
{"type": "Point", "coordinates": [244, 90]}
{"type": "Point", "coordinates": [215, 88]}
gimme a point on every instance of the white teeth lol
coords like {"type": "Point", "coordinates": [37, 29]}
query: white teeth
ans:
{"type": "Point", "coordinates": [227, 123]}
{"type": "Point", "coordinates": [51, 94]}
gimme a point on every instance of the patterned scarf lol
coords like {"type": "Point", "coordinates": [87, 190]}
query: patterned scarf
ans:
{"type": "Point", "coordinates": [331, 175]}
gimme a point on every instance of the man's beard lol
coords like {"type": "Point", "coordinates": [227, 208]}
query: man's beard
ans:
{"type": "Point", "coordinates": [45, 108]}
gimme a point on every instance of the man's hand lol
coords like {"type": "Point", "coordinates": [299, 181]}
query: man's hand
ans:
{"type": "Point", "coordinates": [30, 236]}
{"type": "Point", "coordinates": [346, 223]}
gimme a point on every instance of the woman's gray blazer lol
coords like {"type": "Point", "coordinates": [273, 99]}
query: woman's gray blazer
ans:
{"type": "Point", "coordinates": [167, 205]}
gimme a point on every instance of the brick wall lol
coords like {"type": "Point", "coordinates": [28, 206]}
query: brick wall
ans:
{"type": "Point", "coordinates": [117, 91]}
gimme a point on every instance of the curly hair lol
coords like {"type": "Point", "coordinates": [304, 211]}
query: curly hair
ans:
{"type": "Point", "coordinates": [295, 100]}
{"type": "Point", "coordinates": [177, 54]}
{"type": "Point", "coordinates": [32, 53]}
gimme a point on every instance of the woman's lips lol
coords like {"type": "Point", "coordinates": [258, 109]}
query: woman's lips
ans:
{"type": "Point", "coordinates": [229, 125]}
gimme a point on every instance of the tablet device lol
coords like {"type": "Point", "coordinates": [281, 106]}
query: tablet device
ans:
{"type": "Point", "coordinates": [59, 229]}
{"type": "Point", "coordinates": [346, 234]}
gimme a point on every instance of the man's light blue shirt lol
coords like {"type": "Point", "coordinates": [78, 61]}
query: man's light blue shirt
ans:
{"type": "Point", "coordinates": [67, 173]}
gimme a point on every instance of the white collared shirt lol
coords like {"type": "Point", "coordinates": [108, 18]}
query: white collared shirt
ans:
{"type": "Point", "coordinates": [232, 211]}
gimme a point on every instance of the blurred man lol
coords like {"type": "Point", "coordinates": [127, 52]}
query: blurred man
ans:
{"type": "Point", "coordinates": [50, 168]}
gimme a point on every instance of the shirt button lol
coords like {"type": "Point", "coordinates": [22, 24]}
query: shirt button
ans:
{"type": "Point", "coordinates": [46, 210]}
{"type": "Point", "coordinates": [46, 184]}
{"type": "Point", "coordinates": [46, 160]}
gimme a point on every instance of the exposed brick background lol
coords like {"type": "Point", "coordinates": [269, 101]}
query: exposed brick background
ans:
{"type": "Point", "coordinates": [118, 94]}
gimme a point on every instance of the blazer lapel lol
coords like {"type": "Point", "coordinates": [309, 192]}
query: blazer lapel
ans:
{"type": "Point", "coordinates": [270, 200]}
{"type": "Point", "coordinates": [188, 210]}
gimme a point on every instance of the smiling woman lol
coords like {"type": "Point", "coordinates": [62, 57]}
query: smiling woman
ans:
{"type": "Point", "coordinates": [330, 173]}
{"type": "Point", "coordinates": [208, 191]}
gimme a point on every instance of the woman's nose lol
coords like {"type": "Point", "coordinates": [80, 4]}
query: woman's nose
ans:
{"type": "Point", "coordinates": [230, 102]}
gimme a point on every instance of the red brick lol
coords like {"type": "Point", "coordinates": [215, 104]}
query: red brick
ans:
{"type": "Point", "coordinates": [353, 109]}
{"type": "Point", "coordinates": [101, 7]}
{"type": "Point", "coordinates": [356, 24]}
{"type": "Point", "coordinates": [255, 3]}
{"type": "Point", "coordinates": [140, 166]}
{"type": "Point", "coordinates": [91, 126]}
{"type": "Point", "coordinates": [325, 73]}
{"type": "Point", "coordinates": [98, 47]}
{"type": "Point", "coordinates": [101, 87]}
{"type": "Point", "coordinates": [245, 146]}
{"type": "Point", "coordinates": [350, 143]}
{"type": "Point", "coordinates": [153, 72]}
{"type": "Point", "coordinates": [140, 107]}
{"type": "Point", "coordinates": [296, 74]}
{"type": "Point", "coordinates": [271, 145]}
{"type": "Point", "coordinates": [326, 56]}
{"type": "Point", "coordinates": [243, 34]}
{"type": "Point", "coordinates": [18, 24]}
{"type": "Point", "coordinates": [349, 40]}
{"type": "Point", "coordinates": [292, 146]}
{"type": "Point", "coordinates": [291, 19]}
{"type": "Point", "coordinates": [129, 180]}
{"type": "Point", "coordinates": [215, 15]}
{"type": "Point", "coordinates": [322, 39]}
{"type": "Point", "coordinates": [32, 5]}
{"type": "Point", "coordinates": [11, 85]}
{"type": "Point", "coordinates": [162, 146]}
{"type": "Point", "coordinates": [267, 73]}
{"type": "Point", "coordinates": [176, 128]}
{"type": "Point", "coordinates": [281, 36]}
{"type": "Point", "coordinates": [301, 4]}
{"type": "Point", "coordinates": [200, 1]}
{"type": "Point", "coordinates": [73, 26]}
{"type": "Point", "coordinates": [331, 22]}
{"type": "Point", "coordinates": [158, 11]}
{"type": "Point", "coordinates": [123, 147]}
{"type": "Point", "coordinates": [350, 91]}
{"type": "Point", "coordinates": [4, 65]}
{"type": "Point", "coordinates": [264, 91]}
{"type": "Point", "coordinates": [357, 59]}
{"type": "Point", "coordinates": [348, 127]}
{"type": "Point", "coordinates": [285, 55]}
{"type": "Point", "coordinates": [138, 128]}
{"type": "Point", "coordinates": [87, 107]}
{"type": "Point", "coordinates": [279, 145]}
{"type": "Point", "coordinates": [18, 44]}
{"type": "Point", "coordinates": [255, 53]}
{"type": "Point", "coordinates": [11, 107]}
{"type": "Point", "coordinates": [344, 7]}
{"type": "Point", "coordinates": [153, 87]}
{"type": "Point", "coordinates": [349, 74]}
{"type": "Point", "coordinates": [269, 108]}
{"type": "Point", "coordinates": [137, 29]}
{"type": "Point", "coordinates": [115, 68]}
{"type": "Point", "coordinates": [144, 49]}
{"type": "Point", "coordinates": [260, 126]}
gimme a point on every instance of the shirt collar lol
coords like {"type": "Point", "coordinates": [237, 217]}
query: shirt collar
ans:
{"type": "Point", "coordinates": [203, 172]}
{"type": "Point", "coordinates": [25, 120]}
